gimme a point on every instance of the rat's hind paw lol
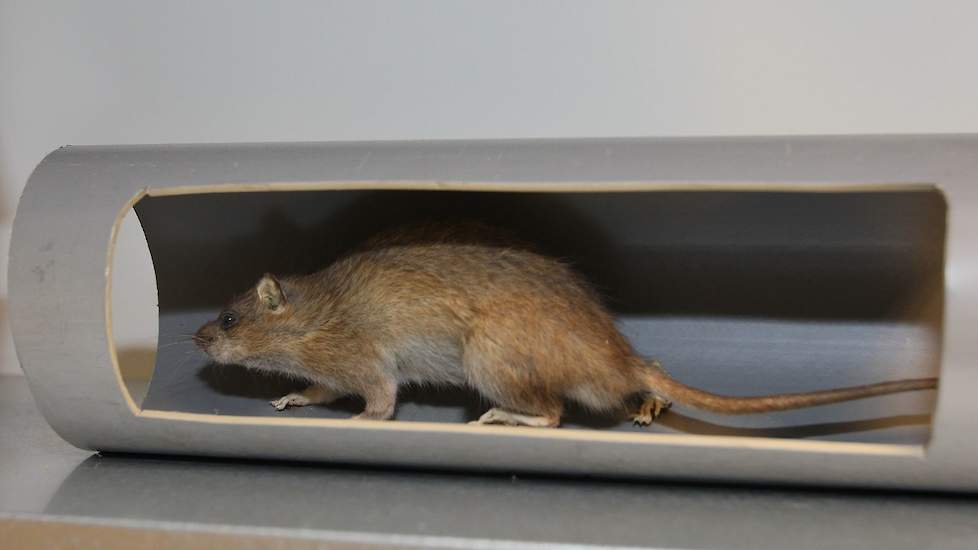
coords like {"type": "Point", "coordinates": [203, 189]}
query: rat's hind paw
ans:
{"type": "Point", "coordinates": [651, 408]}
{"type": "Point", "coordinates": [507, 418]}
{"type": "Point", "coordinates": [291, 400]}
{"type": "Point", "coordinates": [640, 419]}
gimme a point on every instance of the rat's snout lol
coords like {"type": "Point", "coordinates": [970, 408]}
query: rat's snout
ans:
{"type": "Point", "coordinates": [205, 336]}
{"type": "Point", "coordinates": [212, 340]}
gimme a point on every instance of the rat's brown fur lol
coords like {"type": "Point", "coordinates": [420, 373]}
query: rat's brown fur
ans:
{"type": "Point", "coordinates": [463, 307]}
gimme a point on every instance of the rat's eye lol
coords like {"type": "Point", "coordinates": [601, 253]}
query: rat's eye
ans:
{"type": "Point", "coordinates": [228, 319]}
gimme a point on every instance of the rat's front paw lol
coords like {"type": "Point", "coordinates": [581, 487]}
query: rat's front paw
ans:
{"type": "Point", "coordinates": [291, 400]}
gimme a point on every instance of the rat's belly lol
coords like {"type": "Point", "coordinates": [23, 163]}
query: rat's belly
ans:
{"type": "Point", "coordinates": [430, 360]}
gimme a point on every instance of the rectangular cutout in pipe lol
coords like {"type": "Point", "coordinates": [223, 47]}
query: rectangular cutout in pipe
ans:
{"type": "Point", "coordinates": [736, 292]}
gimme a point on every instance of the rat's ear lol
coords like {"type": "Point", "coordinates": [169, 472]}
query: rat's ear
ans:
{"type": "Point", "coordinates": [270, 293]}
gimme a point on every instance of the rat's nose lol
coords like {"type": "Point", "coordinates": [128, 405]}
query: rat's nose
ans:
{"type": "Point", "coordinates": [202, 338]}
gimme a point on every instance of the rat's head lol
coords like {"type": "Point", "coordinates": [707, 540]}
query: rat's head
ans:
{"type": "Point", "coordinates": [252, 329]}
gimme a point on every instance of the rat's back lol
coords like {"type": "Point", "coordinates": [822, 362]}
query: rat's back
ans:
{"type": "Point", "coordinates": [454, 274]}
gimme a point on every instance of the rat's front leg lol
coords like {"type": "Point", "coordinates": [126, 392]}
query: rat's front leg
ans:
{"type": "Point", "coordinates": [381, 398]}
{"type": "Point", "coordinates": [313, 395]}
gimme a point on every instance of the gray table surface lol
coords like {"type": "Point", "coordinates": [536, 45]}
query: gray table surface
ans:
{"type": "Point", "coordinates": [43, 477]}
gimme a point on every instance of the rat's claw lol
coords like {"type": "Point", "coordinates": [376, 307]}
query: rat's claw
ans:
{"type": "Point", "coordinates": [293, 400]}
{"type": "Point", "coordinates": [649, 410]}
{"type": "Point", "coordinates": [279, 403]}
{"type": "Point", "coordinates": [494, 416]}
{"type": "Point", "coordinates": [642, 419]}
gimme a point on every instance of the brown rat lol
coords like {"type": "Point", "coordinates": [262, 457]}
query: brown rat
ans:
{"type": "Point", "coordinates": [463, 306]}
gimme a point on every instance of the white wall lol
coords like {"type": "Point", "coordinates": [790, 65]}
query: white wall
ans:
{"type": "Point", "coordinates": [201, 71]}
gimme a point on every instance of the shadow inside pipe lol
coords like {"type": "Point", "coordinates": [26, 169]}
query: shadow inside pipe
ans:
{"type": "Point", "coordinates": [690, 425]}
{"type": "Point", "coordinates": [261, 387]}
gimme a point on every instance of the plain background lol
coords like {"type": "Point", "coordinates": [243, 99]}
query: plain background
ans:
{"type": "Point", "coordinates": [99, 72]}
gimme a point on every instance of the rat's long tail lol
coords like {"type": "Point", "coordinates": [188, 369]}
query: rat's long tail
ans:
{"type": "Point", "coordinates": [660, 383]}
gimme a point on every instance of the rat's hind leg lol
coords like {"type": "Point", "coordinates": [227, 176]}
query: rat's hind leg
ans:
{"type": "Point", "coordinates": [507, 418]}
{"type": "Point", "coordinates": [381, 398]}
{"type": "Point", "coordinates": [509, 379]}
{"type": "Point", "coordinates": [650, 409]}
{"type": "Point", "coordinates": [313, 395]}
